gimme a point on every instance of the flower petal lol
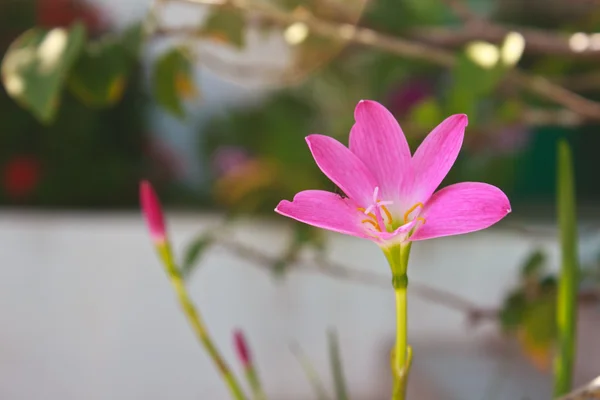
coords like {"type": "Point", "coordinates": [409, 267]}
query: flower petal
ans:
{"type": "Point", "coordinates": [436, 155]}
{"type": "Point", "coordinates": [324, 210]}
{"type": "Point", "coordinates": [379, 142]}
{"type": "Point", "coordinates": [343, 168]}
{"type": "Point", "coordinates": [462, 208]}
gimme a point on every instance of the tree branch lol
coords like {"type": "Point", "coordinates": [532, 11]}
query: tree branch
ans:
{"type": "Point", "coordinates": [537, 41]}
{"type": "Point", "coordinates": [476, 27]}
{"type": "Point", "coordinates": [338, 271]}
{"type": "Point", "coordinates": [349, 33]}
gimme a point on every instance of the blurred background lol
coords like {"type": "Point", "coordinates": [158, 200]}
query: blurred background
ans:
{"type": "Point", "coordinates": [211, 100]}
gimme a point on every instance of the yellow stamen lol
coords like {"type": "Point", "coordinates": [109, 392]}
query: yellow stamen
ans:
{"type": "Point", "coordinates": [368, 221]}
{"type": "Point", "coordinates": [387, 214]}
{"type": "Point", "coordinates": [362, 210]}
{"type": "Point", "coordinates": [421, 219]}
{"type": "Point", "coordinates": [413, 208]}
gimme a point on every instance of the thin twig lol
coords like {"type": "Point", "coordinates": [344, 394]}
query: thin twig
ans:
{"type": "Point", "coordinates": [537, 41]}
{"type": "Point", "coordinates": [338, 271]}
{"type": "Point", "coordinates": [586, 82]}
{"type": "Point", "coordinates": [477, 27]}
{"type": "Point", "coordinates": [403, 47]}
{"type": "Point", "coordinates": [343, 32]}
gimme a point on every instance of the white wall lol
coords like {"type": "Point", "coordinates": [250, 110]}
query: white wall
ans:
{"type": "Point", "coordinates": [87, 313]}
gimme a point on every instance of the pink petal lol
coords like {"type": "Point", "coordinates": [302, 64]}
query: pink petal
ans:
{"type": "Point", "coordinates": [324, 210]}
{"type": "Point", "coordinates": [436, 155]}
{"type": "Point", "coordinates": [379, 142]}
{"type": "Point", "coordinates": [152, 211]}
{"type": "Point", "coordinates": [242, 349]}
{"type": "Point", "coordinates": [343, 168]}
{"type": "Point", "coordinates": [462, 208]}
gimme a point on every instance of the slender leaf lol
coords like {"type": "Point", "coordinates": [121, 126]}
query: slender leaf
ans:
{"type": "Point", "coordinates": [193, 253]}
{"type": "Point", "coordinates": [310, 372]}
{"type": "Point", "coordinates": [36, 66]}
{"type": "Point", "coordinates": [341, 392]}
{"type": "Point", "coordinates": [566, 315]}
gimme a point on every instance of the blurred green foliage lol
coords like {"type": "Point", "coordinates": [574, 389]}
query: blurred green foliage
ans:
{"type": "Point", "coordinates": [316, 92]}
{"type": "Point", "coordinates": [73, 130]}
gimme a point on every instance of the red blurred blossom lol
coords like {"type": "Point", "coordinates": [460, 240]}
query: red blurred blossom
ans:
{"type": "Point", "coordinates": [21, 176]}
{"type": "Point", "coordinates": [152, 211]}
{"type": "Point", "coordinates": [62, 13]}
{"type": "Point", "coordinates": [409, 94]}
{"type": "Point", "coordinates": [227, 159]}
{"type": "Point", "coordinates": [511, 139]}
{"type": "Point", "coordinates": [169, 165]}
{"type": "Point", "coordinates": [241, 347]}
{"type": "Point", "coordinates": [504, 140]}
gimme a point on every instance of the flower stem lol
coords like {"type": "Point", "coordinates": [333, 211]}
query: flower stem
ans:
{"type": "Point", "coordinates": [401, 356]}
{"type": "Point", "coordinates": [196, 322]}
{"type": "Point", "coordinates": [401, 328]}
{"type": "Point", "coordinates": [566, 315]}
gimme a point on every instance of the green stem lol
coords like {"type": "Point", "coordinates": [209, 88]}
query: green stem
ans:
{"type": "Point", "coordinates": [254, 381]}
{"type": "Point", "coordinates": [566, 312]}
{"type": "Point", "coordinates": [398, 258]}
{"type": "Point", "coordinates": [401, 328]}
{"type": "Point", "coordinates": [196, 322]}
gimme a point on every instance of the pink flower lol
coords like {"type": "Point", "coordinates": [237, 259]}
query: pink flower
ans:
{"type": "Point", "coordinates": [153, 213]}
{"type": "Point", "coordinates": [389, 194]}
{"type": "Point", "coordinates": [241, 347]}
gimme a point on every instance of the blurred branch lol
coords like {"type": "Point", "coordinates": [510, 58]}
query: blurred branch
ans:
{"type": "Point", "coordinates": [407, 48]}
{"type": "Point", "coordinates": [477, 27]}
{"type": "Point", "coordinates": [542, 117]}
{"type": "Point", "coordinates": [343, 32]}
{"type": "Point", "coordinates": [338, 271]}
{"type": "Point", "coordinates": [537, 41]}
{"type": "Point", "coordinates": [589, 81]}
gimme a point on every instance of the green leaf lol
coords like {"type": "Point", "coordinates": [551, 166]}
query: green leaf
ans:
{"type": "Point", "coordinates": [310, 372]}
{"type": "Point", "coordinates": [225, 25]}
{"type": "Point", "coordinates": [534, 264]}
{"type": "Point", "coordinates": [36, 66]}
{"type": "Point", "coordinates": [538, 321]}
{"type": "Point", "coordinates": [566, 316]}
{"type": "Point", "coordinates": [99, 76]}
{"type": "Point", "coordinates": [471, 83]}
{"type": "Point", "coordinates": [193, 253]}
{"type": "Point", "coordinates": [426, 113]}
{"type": "Point", "coordinates": [513, 311]}
{"type": "Point", "coordinates": [306, 235]}
{"type": "Point", "coordinates": [478, 79]}
{"type": "Point", "coordinates": [341, 392]}
{"type": "Point", "coordinates": [133, 39]}
{"type": "Point", "coordinates": [538, 332]}
{"type": "Point", "coordinates": [172, 80]}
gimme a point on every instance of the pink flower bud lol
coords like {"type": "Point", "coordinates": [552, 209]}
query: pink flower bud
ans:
{"type": "Point", "coordinates": [241, 346]}
{"type": "Point", "coordinates": [153, 213]}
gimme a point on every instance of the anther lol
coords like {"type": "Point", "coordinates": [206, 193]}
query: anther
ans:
{"type": "Point", "coordinates": [413, 208]}
{"type": "Point", "coordinates": [387, 214]}
{"type": "Point", "coordinates": [369, 221]}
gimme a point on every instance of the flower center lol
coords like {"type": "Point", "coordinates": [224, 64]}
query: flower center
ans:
{"type": "Point", "coordinates": [380, 218]}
